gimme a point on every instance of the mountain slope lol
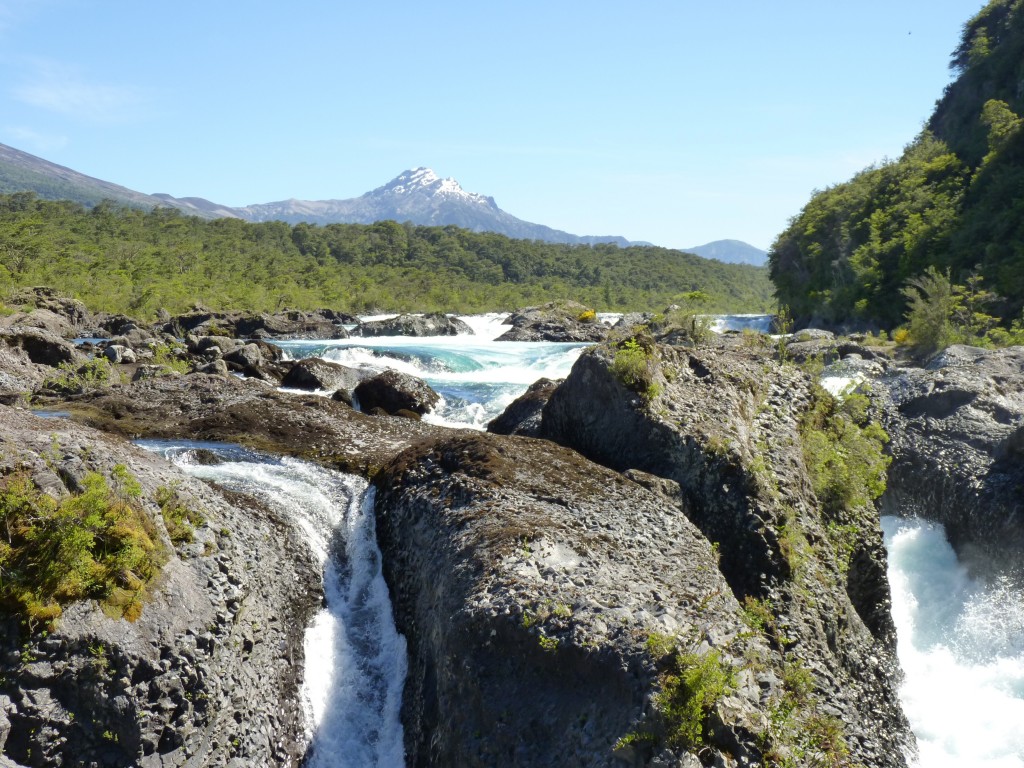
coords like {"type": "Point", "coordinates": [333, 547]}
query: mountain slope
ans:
{"type": "Point", "coordinates": [22, 172]}
{"type": "Point", "coordinates": [419, 196]}
{"type": "Point", "coordinates": [953, 201]}
{"type": "Point", "coordinates": [731, 252]}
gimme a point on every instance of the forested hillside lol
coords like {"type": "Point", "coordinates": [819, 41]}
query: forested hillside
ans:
{"type": "Point", "coordinates": [954, 200]}
{"type": "Point", "coordinates": [134, 261]}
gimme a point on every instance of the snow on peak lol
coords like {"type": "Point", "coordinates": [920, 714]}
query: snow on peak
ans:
{"type": "Point", "coordinates": [420, 180]}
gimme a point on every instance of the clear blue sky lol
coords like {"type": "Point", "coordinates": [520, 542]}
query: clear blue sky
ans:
{"type": "Point", "coordinates": [676, 122]}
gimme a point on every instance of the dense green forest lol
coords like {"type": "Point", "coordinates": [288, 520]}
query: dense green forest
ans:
{"type": "Point", "coordinates": [953, 201]}
{"type": "Point", "coordinates": [133, 261]}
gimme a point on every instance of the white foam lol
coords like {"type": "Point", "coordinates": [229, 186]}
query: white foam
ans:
{"type": "Point", "coordinates": [355, 659]}
{"type": "Point", "coordinates": [962, 651]}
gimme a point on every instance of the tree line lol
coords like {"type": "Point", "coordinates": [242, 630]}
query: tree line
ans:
{"type": "Point", "coordinates": [122, 259]}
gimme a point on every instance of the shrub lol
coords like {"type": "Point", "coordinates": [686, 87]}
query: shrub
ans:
{"type": "Point", "coordinates": [690, 691]}
{"type": "Point", "coordinates": [587, 316]}
{"type": "Point", "coordinates": [844, 452]}
{"type": "Point", "coordinates": [96, 544]}
{"type": "Point", "coordinates": [634, 366]}
{"type": "Point", "coordinates": [72, 379]}
{"type": "Point", "coordinates": [180, 520]}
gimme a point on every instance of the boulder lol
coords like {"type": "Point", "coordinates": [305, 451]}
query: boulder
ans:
{"type": "Point", "coordinates": [116, 353]}
{"type": "Point", "coordinates": [42, 347]}
{"type": "Point", "coordinates": [529, 584]}
{"type": "Point", "coordinates": [523, 415]}
{"type": "Point", "coordinates": [724, 422]}
{"type": "Point", "coordinates": [42, 319]}
{"type": "Point", "coordinates": [207, 672]}
{"type": "Point", "coordinates": [433, 324]}
{"type": "Point", "coordinates": [19, 376]}
{"type": "Point", "coordinates": [954, 425]}
{"type": "Point", "coordinates": [72, 311]}
{"type": "Point", "coordinates": [312, 374]}
{"type": "Point", "coordinates": [394, 391]}
{"type": "Point", "coordinates": [557, 321]}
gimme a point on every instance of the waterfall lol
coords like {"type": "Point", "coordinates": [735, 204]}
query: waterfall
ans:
{"type": "Point", "coordinates": [961, 646]}
{"type": "Point", "coordinates": [355, 659]}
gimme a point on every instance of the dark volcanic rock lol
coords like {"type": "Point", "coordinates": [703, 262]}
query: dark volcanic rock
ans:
{"type": "Point", "coordinates": [433, 324]}
{"type": "Point", "coordinates": [394, 391]}
{"type": "Point", "coordinates": [42, 347]}
{"type": "Point", "coordinates": [724, 426]}
{"type": "Point", "coordinates": [956, 427]}
{"type": "Point", "coordinates": [287, 324]}
{"type": "Point", "coordinates": [209, 672]}
{"type": "Point", "coordinates": [556, 321]}
{"type": "Point", "coordinates": [523, 415]}
{"type": "Point", "coordinates": [312, 373]}
{"type": "Point", "coordinates": [251, 413]}
{"type": "Point", "coordinates": [527, 582]}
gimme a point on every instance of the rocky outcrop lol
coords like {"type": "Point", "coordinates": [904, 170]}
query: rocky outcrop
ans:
{"type": "Point", "coordinates": [956, 427]}
{"type": "Point", "coordinates": [48, 309]}
{"type": "Point", "coordinates": [432, 324]}
{"type": "Point", "coordinates": [42, 347]}
{"type": "Point", "coordinates": [393, 391]}
{"type": "Point", "coordinates": [293, 324]}
{"type": "Point", "coordinates": [312, 374]}
{"type": "Point", "coordinates": [523, 415]}
{"type": "Point", "coordinates": [19, 376]}
{"type": "Point", "coordinates": [207, 674]}
{"type": "Point", "coordinates": [556, 321]}
{"type": "Point", "coordinates": [724, 424]}
{"type": "Point", "coordinates": [251, 413]}
{"type": "Point", "coordinates": [540, 595]}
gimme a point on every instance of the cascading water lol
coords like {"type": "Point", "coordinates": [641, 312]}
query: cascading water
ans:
{"type": "Point", "coordinates": [961, 646]}
{"type": "Point", "coordinates": [961, 643]}
{"type": "Point", "coordinates": [355, 658]}
{"type": "Point", "coordinates": [476, 376]}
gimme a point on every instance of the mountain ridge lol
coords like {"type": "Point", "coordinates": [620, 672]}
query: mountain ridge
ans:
{"type": "Point", "coordinates": [417, 195]}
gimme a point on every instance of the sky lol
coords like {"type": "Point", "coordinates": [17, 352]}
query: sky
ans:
{"type": "Point", "coordinates": [673, 122]}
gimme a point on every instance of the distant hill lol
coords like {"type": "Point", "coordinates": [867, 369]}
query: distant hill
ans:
{"type": "Point", "coordinates": [22, 172]}
{"type": "Point", "coordinates": [731, 252]}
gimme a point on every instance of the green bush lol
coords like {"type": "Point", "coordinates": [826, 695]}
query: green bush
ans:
{"type": "Point", "coordinates": [634, 366]}
{"type": "Point", "coordinates": [180, 520]}
{"type": "Point", "coordinates": [72, 379]}
{"type": "Point", "coordinates": [95, 544]}
{"type": "Point", "coordinates": [690, 691]}
{"type": "Point", "coordinates": [844, 452]}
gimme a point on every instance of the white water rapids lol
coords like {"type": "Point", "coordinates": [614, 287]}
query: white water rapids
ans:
{"type": "Point", "coordinates": [961, 646]}
{"type": "Point", "coordinates": [961, 643]}
{"type": "Point", "coordinates": [355, 659]}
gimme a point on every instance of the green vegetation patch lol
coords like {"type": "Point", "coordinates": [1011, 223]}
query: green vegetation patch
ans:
{"type": "Point", "coordinates": [123, 260]}
{"type": "Point", "coordinates": [844, 452]}
{"type": "Point", "coordinates": [96, 544]}
{"type": "Point", "coordinates": [635, 364]}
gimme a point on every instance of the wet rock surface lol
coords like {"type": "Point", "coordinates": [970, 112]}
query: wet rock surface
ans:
{"type": "Point", "coordinates": [523, 415]}
{"type": "Point", "coordinates": [208, 674]}
{"type": "Point", "coordinates": [252, 413]}
{"type": "Point", "coordinates": [957, 427]}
